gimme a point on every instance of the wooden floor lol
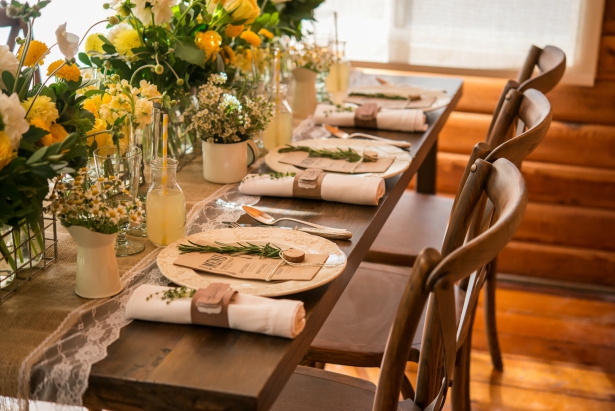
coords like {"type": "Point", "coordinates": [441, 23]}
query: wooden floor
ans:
{"type": "Point", "coordinates": [559, 354]}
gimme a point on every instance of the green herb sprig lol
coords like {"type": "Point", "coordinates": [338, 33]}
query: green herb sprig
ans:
{"type": "Point", "coordinates": [349, 155]}
{"type": "Point", "coordinates": [264, 251]}
{"type": "Point", "coordinates": [273, 175]}
{"type": "Point", "coordinates": [174, 293]}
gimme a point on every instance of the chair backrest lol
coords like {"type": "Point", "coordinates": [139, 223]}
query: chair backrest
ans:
{"type": "Point", "coordinates": [16, 25]}
{"type": "Point", "coordinates": [433, 277]}
{"type": "Point", "coordinates": [551, 63]}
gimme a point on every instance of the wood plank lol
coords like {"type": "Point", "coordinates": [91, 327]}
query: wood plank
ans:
{"type": "Point", "coordinates": [566, 143]}
{"type": "Point", "coordinates": [547, 183]}
{"type": "Point", "coordinates": [558, 263]}
{"type": "Point", "coordinates": [608, 27]}
{"type": "Point", "coordinates": [606, 59]}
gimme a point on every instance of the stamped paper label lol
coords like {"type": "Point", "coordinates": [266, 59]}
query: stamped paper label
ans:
{"type": "Point", "coordinates": [251, 267]}
{"type": "Point", "coordinates": [303, 160]}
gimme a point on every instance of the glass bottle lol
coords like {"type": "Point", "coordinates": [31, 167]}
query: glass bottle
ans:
{"type": "Point", "coordinates": [165, 204]}
{"type": "Point", "coordinates": [279, 131]}
{"type": "Point", "coordinates": [336, 82]}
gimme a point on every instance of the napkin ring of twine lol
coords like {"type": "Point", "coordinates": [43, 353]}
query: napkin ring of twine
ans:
{"type": "Point", "coordinates": [365, 116]}
{"type": "Point", "coordinates": [285, 261]}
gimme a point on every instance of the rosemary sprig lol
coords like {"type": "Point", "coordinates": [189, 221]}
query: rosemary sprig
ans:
{"type": "Point", "coordinates": [264, 251]}
{"type": "Point", "coordinates": [349, 155]}
{"type": "Point", "coordinates": [273, 175]}
{"type": "Point", "coordinates": [174, 293]}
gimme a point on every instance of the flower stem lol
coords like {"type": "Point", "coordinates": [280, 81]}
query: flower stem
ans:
{"type": "Point", "coordinates": [91, 27]}
{"type": "Point", "coordinates": [26, 47]}
{"type": "Point", "coordinates": [138, 70]}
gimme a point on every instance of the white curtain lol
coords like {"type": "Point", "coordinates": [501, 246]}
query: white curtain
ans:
{"type": "Point", "coordinates": [467, 34]}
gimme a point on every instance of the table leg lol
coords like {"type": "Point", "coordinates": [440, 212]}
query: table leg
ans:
{"type": "Point", "coordinates": [426, 178]}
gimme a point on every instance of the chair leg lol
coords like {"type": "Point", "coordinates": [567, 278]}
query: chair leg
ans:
{"type": "Point", "coordinates": [460, 391]}
{"type": "Point", "coordinates": [320, 365]}
{"type": "Point", "coordinates": [490, 321]}
{"type": "Point", "coordinates": [407, 391]}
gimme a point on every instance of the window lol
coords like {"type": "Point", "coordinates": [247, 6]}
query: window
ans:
{"type": "Point", "coordinates": [488, 37]}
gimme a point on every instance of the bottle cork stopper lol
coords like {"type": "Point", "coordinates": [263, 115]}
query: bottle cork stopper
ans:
{"type": "Point", "coordinates": [293, 255]}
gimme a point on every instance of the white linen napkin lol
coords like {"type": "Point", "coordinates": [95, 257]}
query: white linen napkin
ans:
{"type": "Point", "coordinates": [397, 120]}
{"type": "Point", "coordinates": [335, 187]}
{"type": "Point", "coordinates": [282, 318]}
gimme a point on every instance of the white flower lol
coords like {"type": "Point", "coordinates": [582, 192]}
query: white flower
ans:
{"type": "Point", "coordinates": [8, 62]}
{"type": "Point", "coordinates": [162, 10]}
{"type": "Point", "coordinates": [67, 42]}
{"type": "Point", "coordinates": [143, 111]}
{"type": "Point", "coordinates": [14, 118]}
{"type": "Point", "coordinates": [143, 11]}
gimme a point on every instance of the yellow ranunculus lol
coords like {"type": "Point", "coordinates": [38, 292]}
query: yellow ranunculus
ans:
{"type": "Point", "coordinates": [229, 55]}
{"type": "Point", "coordinates": [6, 153]}
{"type": "Point", "coordinates": [36, 50]}
{"type": "Point", "coordinates": [127, 40]}
{"type": "Point", "coordinates": [40, 123]}
{"type": "Point", "coordinates": [209, 42]}
{"type": "Point", "coordinates": [103, 139]}
{"type": "Point", "coordinates": [94, 43]}
{"type": "Point", "coordinates": [251, 37]}
{"type": "Point", "coordinates": [42, 108]}
{"type": "Point", "coordinates": [233, 31]}
{"type": "Point", "coordinates": [266, 33]}
{"type": "Point", "coordinates": [242, 10]}
{"type": "Point", "coordinates": [68, 72]}
{"type": "Point", "coordinates": [93, 104]}
{"type": "Point", "coordinates": [58, 133]}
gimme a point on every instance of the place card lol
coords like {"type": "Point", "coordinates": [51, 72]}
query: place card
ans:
{"type": "Point", "coordinates": [303, 160]}
{"type": "Point", "coordinates": [252, 267]}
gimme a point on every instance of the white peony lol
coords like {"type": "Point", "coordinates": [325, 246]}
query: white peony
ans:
{"type": "Point", "coordinates": [67, 42]}
{"type": "Point", "coordinates": [8, 62]}
{"type": "Point", "coordinates": [162, 10]}
{"type": "Point", "coordinates": [14, 118]}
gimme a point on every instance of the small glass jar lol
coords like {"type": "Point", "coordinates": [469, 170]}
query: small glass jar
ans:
{"type": "Point", "coordinates": [337, 81]}
{"type": "Point", "coordinates": [279, 131]}
{"type": "Point", "coordinates": [165, 204]}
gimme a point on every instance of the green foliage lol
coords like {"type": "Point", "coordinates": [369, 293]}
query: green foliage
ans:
{"type": "Point", "coordinates": [291, 14]}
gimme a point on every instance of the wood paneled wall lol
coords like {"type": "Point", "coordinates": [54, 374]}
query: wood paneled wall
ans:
{"type": "Point", "coordinates": [569, 229]}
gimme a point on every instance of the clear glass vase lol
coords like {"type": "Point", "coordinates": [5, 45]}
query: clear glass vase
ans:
{"type": "Point", "coordinates": [21, 248]}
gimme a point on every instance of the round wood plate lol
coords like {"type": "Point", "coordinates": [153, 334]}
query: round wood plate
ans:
{"type": "Point", "coordinates": [401, 163]}
{"type": "Point", "coordinates": [284, 239]}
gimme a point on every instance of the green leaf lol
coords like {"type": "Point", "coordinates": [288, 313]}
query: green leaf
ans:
{"type": "Point", "coordinates": [91, 93]}
{"type": "Point", "coordinates": [69, 141]}
{"type": "Point", "coordinates": [109, 49]}
{"type": "Point", "coordinates": [34, 134]}
{"type": "Point", "coordinates": [8, 79]}
{"type": "Point", "coordinates": [105, 40]}
{"type": "Point", "coordinates": [85, 59]}
{"type": "Point", "coordinates": [188, 51]}
{"type": "Point", "coordinates": [36, 156]}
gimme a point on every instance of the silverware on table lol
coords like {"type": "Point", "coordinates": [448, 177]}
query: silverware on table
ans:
{"type": "Point", "coordinates": [266, 219]}
{"type": "Point", "coordinates": [334, 235]}
{"type": "Point", "coordinates": [336, 132]}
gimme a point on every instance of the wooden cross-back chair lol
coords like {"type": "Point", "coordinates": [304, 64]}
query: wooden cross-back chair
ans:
{"type": "Point", "coordinates": [431, 283]}
{"type": "Point", "coordinates": [355, 331]}
{"type": "Point", "coordinates": [420, 220]}
{"type": "Point", "coordinates": [16, 25]}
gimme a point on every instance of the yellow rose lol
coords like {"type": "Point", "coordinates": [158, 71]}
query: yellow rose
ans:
{"type": "Point", "coordinates": [93, 104]}
{"type": "Point", "coordinates": [251, 37]}
{"type": "Point", "coordinates": [103, 139]}
{"type": "Point", "coordinates": [58, 133]}
{"type": "Point", "coordinates": [209, 42]}
{"type": "Point", "coordinates": [266, 33]}
{"type": "Point", "coordinates": [6, 153]}
{"type": "Point", "coordinates": [36, 50]}
{"type": "Point", "coordinates": [42, 108]}
{"type": "Point", "coordinates": [94, 44]}
{"type": "Point", "coordinates": [242, 10]}
{"type": "Point", "coordinates": [229, 55]}
{"type": "Point", "coordinates": [40, 123]}
{"type": "Point", "coordinates": [233, 31]}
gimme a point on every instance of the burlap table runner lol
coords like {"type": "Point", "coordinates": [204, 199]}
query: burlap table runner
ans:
{"type": "Point", "coordinates": [30, 316]}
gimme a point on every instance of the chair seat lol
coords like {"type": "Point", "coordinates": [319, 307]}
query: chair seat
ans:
{"type": "Point", "coordinates": [418, 221]}
{"type": "Point", "coordinates": [356, 331]}
{"type": "Point", "coordinates": [312, 389]}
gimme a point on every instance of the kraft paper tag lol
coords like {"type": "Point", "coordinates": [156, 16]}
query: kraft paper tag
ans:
{"type": "Point", "coordinates": [308, 184]}
{"type": "Point", "coordinates": [250, 267]}
{"type": "Point", "coordinates": [209, 306]}
{"type": "Point", "coordinates": [303, 160]}
{"type": "Point", "coordinates": [365, 116]}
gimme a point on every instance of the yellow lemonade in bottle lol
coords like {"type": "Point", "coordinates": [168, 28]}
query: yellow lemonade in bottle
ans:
{"type": "Point", "coordinates": [166, 216]}
{"type": "Point", "coordinates": [284, 124]}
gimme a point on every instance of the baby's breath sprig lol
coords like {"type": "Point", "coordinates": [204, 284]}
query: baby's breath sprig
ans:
{"type": "Point", "coordinates": [264, 251]}
{"type": "Point", "coordinates": [349, 155]}
{"type": "Point", "coordinates": [173, 294]}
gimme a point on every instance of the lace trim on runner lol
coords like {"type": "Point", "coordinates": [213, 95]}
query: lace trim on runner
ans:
{"type": "Point", "coordinates": [64, 360]}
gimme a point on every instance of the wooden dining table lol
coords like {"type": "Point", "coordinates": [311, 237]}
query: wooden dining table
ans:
{"type": "Point", "coordinates": [157, 366]}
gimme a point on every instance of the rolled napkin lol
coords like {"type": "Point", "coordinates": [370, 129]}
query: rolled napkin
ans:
{"type": "Point", "coordinates": [245, 312]}
{"type": "Point", "coordinates": [333, 187]}
{"type": "Point", "coordinates": [398, 120]}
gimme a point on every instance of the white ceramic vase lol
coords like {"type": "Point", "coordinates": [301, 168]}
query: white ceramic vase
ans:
{"type": "Point", "coordinates": [97, 273]}
{"type": "Point", "coordinates": [228, 163]}
{"type": "Point", "coordinates": [304, 93]}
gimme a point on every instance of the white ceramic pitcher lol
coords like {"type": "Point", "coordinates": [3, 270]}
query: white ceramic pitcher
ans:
{"type": "Point", "coordinates": [97, 273]}
{"type": "Point", "coordinates": [228, 163]}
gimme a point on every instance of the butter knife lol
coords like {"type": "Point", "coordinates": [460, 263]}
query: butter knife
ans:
{"type": "Point", "coordinates": [334, 235]}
